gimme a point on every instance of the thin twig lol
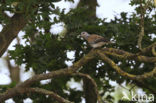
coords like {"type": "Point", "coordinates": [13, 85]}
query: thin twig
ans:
{"type": "Point", "coordinates": [132, 87]}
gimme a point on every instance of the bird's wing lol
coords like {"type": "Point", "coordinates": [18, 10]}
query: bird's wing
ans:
{"type": "Point", "coordinates": [96, 38]}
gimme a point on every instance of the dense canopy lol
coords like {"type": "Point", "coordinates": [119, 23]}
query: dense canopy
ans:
{"type": "Point", "coordinates": [130, 60]}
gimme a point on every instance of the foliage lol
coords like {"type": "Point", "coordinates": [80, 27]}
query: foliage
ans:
{"type": "Point", "coordinates": [45, 51]}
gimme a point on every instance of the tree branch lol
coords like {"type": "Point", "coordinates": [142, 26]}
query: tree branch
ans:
{"type": "Point", "coordinates": [114, 66]}
{"type": "Point", "coordinates": [11, 30]}
{"type": "Point", "coordinates": [126, 55]}
{"type": "Point", "coordinates": [141, 34]}
{"type": "Point", "coordinates": [16, 90]}
{"type": "Point", "coordinates": [147, 49]}
{"type": "Point", "coordinates": [47, 92]}
{"type": "Point", "coordinates": [125, 74]}
{"type": "Point", "coordinates": [138, 78]}
{"type": "Point", "coordinates": [93, 88]}
{"type": "Point", "coordinates": [155, 3]}
{"type": "Point", "coordinates": [153, 51]}
{"type": "Point", "coordinates": [77, 65]}
{"type": "Point", "coordinates": [90, 88]}
{"type": "Point", "coordinates": [62, 72]}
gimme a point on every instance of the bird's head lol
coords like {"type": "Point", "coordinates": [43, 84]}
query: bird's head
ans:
{"type": "Point", "coordinates": [85, 35]}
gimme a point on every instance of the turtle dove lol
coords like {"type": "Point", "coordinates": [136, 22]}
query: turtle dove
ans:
{"type": "Point", "coordinates": [94, 40]}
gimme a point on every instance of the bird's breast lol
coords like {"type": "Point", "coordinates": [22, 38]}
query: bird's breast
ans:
{"type": "Point", "coordinates": [97, 45]}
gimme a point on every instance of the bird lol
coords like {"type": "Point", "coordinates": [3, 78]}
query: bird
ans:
{"type": "Point", "coordinates": [94, 40]}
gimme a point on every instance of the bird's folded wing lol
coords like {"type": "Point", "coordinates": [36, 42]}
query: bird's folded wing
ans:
{"type": "Point", "coordinates": [96, 39]}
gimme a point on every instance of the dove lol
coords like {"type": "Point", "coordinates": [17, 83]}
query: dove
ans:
{"type": "Point", "coordinates": [94, 40]}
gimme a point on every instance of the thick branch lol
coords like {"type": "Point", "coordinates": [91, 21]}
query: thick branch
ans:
{"type": "Point", "coordinates": [126, 55]}
{"type": "Point", "coordinates": [147, 49]}
{"type": "Point", "coordinates": [11, 30]}
{"type": "Point", "coordinates": [117, 68]}
{"type": "Point", "coordinates": [153, 51]}
{"type": "Point", "coordinates": [148, 74]}
{"type": "Point", "coordinates": [14, 91]}
{"type": "Point", "coordinates": [125, 74]}
{"type": "Point", "coordinates": [137, 78]}
{"type": "Point", "coordinates": [47, 92]}
{"type": "Point", "coordinates": [141, 34]}
{"type": "Point", "coordinates": [62, 72]}
{"type": "Point", "coordinates": [76, 66]}
{"type": "Point", "coordinates": [90, 88]}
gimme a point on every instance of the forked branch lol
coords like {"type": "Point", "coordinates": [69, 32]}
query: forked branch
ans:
{"type": "Point", "coordinates": [84, 60]}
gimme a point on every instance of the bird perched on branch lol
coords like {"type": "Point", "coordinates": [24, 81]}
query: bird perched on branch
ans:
{"type": "Point", "coordinates": [94, 40]}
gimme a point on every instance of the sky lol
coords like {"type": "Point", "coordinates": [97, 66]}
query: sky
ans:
{"type": "Point", "coordinates": [107, 9]}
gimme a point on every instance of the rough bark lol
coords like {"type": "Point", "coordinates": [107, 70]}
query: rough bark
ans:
{"type": "Point", "coordinates": [11, 30]}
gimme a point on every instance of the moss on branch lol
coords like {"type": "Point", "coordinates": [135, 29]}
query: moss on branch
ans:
{"type": "Point", "coordinates": [102, 53]}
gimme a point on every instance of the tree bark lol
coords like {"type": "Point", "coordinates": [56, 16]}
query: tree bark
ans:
{"type": "Point", "coordinates": [11, 30]}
